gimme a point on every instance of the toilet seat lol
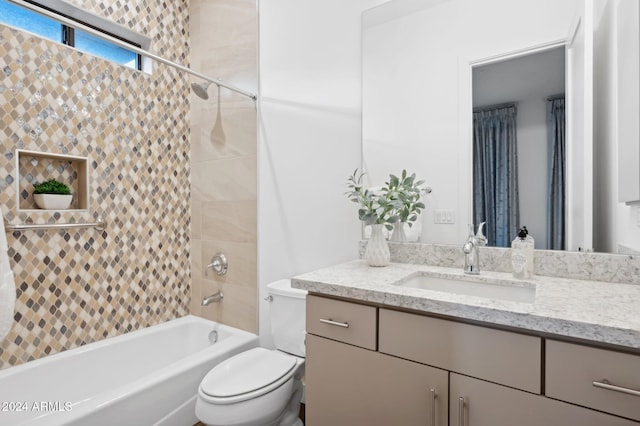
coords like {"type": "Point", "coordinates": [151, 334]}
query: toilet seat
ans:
{"type": "Point", "coordinates": [247, 375]}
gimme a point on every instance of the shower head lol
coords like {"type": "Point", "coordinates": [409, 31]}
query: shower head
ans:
{"type": "Point", "coordinates": [201, 90]}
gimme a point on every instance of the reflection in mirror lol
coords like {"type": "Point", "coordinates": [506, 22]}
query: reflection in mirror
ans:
{"type": "Point", "coordinates": [418, 59]}
{"type": "Point", "coordinates": [518, 147]}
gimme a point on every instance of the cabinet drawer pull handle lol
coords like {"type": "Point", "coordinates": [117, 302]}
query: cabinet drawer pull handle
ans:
{"type": "Point", "coordinates": [433, 407]}
{"type": "Point", "coordinates": [336, 323]}
{"type": "Point", "coordinates": [606, 385]}
{"type": "Point", "coordinates": [461, 411]}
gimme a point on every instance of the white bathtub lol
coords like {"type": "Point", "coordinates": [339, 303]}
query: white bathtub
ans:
{"type": "Point", "coordinates": [147, 377]}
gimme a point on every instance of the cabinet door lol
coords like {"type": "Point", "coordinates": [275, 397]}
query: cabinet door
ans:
{"type": "Point", "coordinates": [347, 385]}
{"type": "Point", "coordinates": [577, 374]}
{"type": "Point", "coordinates": [478, 403]}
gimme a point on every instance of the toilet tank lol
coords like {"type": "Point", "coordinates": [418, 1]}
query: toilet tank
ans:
{"type": "Point", "coordinates": [287, 314]}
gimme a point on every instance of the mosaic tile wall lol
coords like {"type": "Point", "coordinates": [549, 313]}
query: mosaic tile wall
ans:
{"type": "Point", "coordinates": [32, 171]}
{"type": "Point", "coordinates": [79, 286]}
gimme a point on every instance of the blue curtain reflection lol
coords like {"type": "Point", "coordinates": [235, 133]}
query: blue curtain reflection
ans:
{"type": "Point", "coordinates": [495, 173]}
{"type": "Point", "coordinates": [557, 174]}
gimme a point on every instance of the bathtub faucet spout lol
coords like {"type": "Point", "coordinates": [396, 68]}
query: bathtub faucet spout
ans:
{"type": "Point", "coordinates": [216, 297]}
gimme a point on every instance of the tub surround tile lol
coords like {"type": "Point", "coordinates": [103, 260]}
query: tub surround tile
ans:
{"type": "Point", "coordinates": [196, 126]}
{"type": "Point", "coordinates": [233, 221]}
{"type": "Point", "coordinates": [597, 311]}
{"type": "Point", "coordinates": [197, 267]}
{"type": "Point", "coordinates": [236, 19]}
{"type": "Point", "coordinates": [235, 59]}
{"type": "Point", "coordinates": [219, 180]}
{"type": "Point", "coordinates": [196, 217]}
{"type": "Point", "coordinates": [238, 124]}
{"type": "Point", "coordinates": [224, 42]}
{"type": "Point", "coordinates": [79, 286]}
{"type": "Point", "coordinates": [197, 284]}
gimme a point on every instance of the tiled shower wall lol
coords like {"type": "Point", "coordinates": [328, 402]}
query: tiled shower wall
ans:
{"type": "Point", "coordinates": [224, 41]}
{"type": "Point", "coordinates": [79, 286]}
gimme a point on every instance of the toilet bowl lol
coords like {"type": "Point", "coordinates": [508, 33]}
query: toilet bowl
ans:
{"type": "Point", "coordinates": [261, 387]}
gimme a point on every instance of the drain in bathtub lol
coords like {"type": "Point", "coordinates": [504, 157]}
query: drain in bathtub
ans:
{"type": "Point", "coordinates": [213, 336]}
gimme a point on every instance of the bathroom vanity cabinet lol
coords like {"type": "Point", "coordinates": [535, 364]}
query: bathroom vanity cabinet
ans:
{"type": "Point", "coordinates": [348, 385]}
{"type": "Point", "coordinates": [368, 364]}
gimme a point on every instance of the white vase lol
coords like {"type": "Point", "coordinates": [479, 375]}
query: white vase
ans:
{"type": "Point", "coordinates": [377, 251]}
{"type": "Point", "coordinates": [398, 235]}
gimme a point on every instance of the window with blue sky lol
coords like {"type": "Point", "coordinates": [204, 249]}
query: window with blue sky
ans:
{"type": "Point", "coordinates": [18, 17]}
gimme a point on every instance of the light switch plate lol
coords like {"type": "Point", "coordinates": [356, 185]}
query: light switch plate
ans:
{"type": "Point", "coordinates": [444, 217]}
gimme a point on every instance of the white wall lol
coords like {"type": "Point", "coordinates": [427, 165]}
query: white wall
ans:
{"type": "Point", "coordinates": [533, 167]}
{"type": "Point", "coordinates": [309, 137]}
{"type": "Point", "coordinates": [416, 74]}
{"type": "Point", "coordinates": [615, 224]}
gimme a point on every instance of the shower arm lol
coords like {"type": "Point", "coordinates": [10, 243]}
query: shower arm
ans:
{"type": "Point", "coordinates": [120, 43]}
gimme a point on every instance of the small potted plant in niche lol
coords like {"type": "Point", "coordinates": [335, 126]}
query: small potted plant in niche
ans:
{"type": "Point", "coordinates": [52, 195]}
{"type": "Point", "coordinates": [378, 211]}
{"type": "Point", "coordinates": [404, 193]}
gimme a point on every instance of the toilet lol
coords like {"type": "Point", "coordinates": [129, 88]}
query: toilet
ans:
{"type": "Point", "coordinates": [261, 387]}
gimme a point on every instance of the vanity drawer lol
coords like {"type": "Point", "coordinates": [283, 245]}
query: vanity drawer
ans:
{"type": "Point", "coordinates": [572, 369]}
{"type": "Point", "coordinates": [346, 322]}
{"type": "Point", "coordinates": [503, 357]}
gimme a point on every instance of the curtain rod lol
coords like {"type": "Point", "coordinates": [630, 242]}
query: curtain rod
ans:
{"type": "Point", "coordinates": [496, 106]}
{"type": "Point", "coordinates": [120, 43]}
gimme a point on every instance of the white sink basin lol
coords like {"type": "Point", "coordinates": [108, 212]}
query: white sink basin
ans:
{"type": "Point", "coordinates": [520, 291]}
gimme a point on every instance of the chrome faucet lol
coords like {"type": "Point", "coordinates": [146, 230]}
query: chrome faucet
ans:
{"type": "Point", "coordinates": [215, 297]}
{"type": "Point", "coordinates": [471, 250]}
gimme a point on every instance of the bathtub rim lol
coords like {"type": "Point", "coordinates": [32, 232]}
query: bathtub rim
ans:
{"type": "Point", "coordinates": [16, 369]}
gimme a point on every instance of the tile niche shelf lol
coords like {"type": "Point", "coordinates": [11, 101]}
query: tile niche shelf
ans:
{"type": "Point", "coordinates": [35, 167]}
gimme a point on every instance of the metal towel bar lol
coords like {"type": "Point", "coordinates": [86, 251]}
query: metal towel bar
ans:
{"type": "Point", "coordinates": [100, 226]}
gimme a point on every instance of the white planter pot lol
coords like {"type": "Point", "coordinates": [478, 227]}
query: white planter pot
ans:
{"type": "Point", "coordinates": [53, 201]}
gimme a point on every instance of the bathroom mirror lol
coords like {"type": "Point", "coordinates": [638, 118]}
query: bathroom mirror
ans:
{"type": "Point", "coordinates": [519, 103]}
{"type": "Point", "coordinates": [418, 60]}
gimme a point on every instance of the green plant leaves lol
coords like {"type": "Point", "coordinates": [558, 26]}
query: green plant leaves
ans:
{"type": "Point", "coordinates": [397, 201]}
{"type": "Point", "coordinates": [51, 186]}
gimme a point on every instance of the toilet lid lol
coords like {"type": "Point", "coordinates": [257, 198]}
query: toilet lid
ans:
{"type": "Point", "coordinates": [246, 372]}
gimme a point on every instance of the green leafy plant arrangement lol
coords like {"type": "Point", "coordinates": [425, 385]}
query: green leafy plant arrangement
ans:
{"type": "Point", "coordinates": [376, 208]}
{"type": "Point", "coordinates": [52, 186]}
{"type": "Point", "coordinates": [404, 193]}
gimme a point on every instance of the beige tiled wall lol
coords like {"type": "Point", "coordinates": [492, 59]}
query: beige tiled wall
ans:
{"type": "Point", "coordinates": [223, 160]}
{"type": "Point", "coordinates": [79, 286]}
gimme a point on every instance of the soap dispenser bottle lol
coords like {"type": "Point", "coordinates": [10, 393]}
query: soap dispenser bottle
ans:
{"type": "Point", "coordinates": [522, 254]}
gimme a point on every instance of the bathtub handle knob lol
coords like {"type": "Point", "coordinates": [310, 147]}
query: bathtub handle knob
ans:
{"type": "Point", "coordinates": [219, 264]}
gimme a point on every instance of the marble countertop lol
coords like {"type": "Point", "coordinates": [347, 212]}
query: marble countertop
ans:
{"type": "Point", "coordinates": [592, 310]}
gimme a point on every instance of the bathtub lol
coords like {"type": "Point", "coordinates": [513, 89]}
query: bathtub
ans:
{"type": "Point", "coordinates": [147, 377]}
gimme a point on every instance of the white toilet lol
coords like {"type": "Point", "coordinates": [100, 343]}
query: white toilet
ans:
{"type": "Point", "coordinates": [261, 387]}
